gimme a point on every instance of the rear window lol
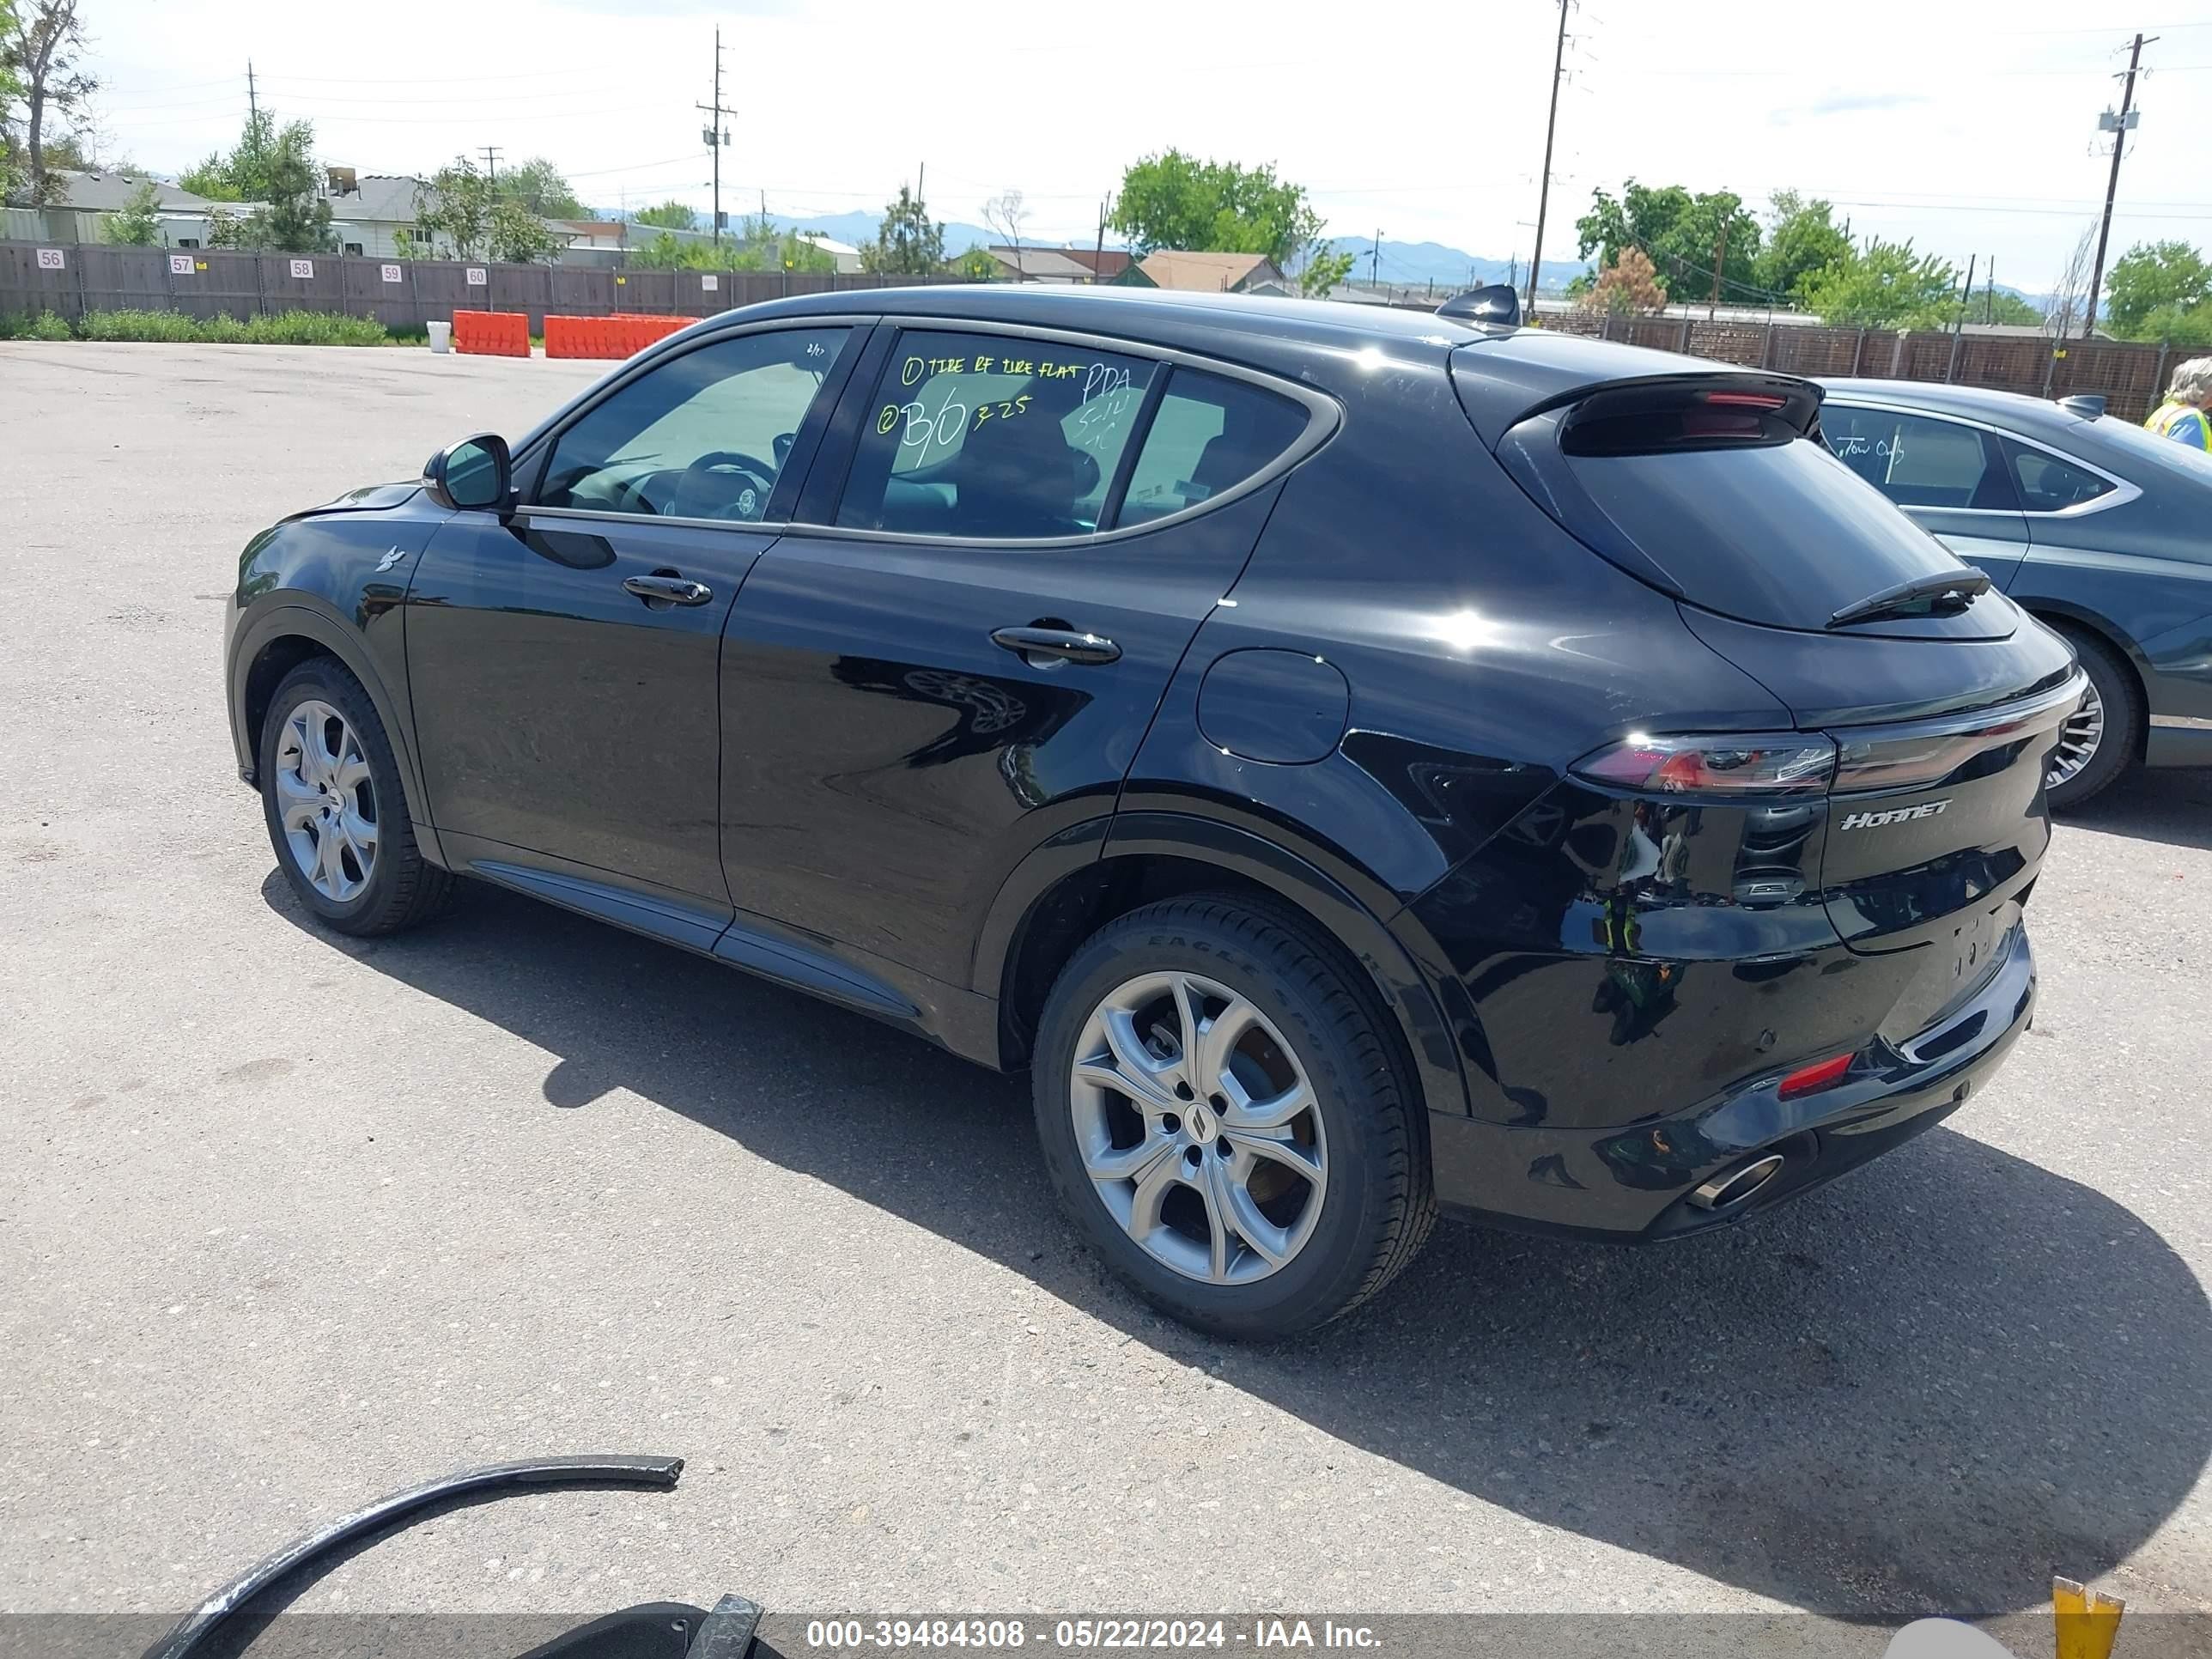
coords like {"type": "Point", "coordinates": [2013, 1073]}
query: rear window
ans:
{"type": "Point", "coordinates": [1211, 434]}
{"type": "Point", "coordinates": [1783, 534]}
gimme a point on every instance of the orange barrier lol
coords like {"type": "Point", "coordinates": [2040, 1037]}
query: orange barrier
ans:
{"type": "Point", "coordinates": [621, 335]}
{"type": "Point", "coordinates": [492, 333]}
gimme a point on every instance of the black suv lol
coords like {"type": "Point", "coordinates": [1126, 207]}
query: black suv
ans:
{"type": "Point", "coordinates": [1357, 760]}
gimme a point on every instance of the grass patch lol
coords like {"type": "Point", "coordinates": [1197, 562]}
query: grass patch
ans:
{"type": "Point", "coordinates": [284, 328]}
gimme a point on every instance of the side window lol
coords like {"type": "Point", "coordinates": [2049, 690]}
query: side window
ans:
{"type": "Point", "coordinates": [2049, 483]}
{"type": "Point", "coordinates": [1917, 461]}
{"type": "Point", "coordinates": [993, 436]}
{"type": "Point", "coordinates": [1210, 433]}
{"type": "Point", "coordinates": [702, 436]}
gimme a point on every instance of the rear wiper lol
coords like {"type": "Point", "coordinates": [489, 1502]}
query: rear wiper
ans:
{"type": "Point", "coordinates": [1896, 601]}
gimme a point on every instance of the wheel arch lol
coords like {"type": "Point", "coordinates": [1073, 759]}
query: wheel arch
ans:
{"type": "Point", "coordinates": [1082, 879]}
{"type": "Point", "coordinates": [271, 644]}
{"type": "Point", "coordinates": [2066, 617]}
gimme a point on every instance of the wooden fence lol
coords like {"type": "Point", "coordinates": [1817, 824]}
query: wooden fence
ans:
{"type": "Point", "coordinates": [73, 278]}
{"type": "Point", "coordinates": [2132, 377]}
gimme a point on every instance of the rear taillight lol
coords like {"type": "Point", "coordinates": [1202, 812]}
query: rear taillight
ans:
{"type": "Point", "coordinates": [1811, 1079]}
{"type": "Point", "coordinates": [1789, 763]}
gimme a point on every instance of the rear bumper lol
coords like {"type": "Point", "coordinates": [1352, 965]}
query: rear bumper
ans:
{"type": "Point", "coordinates": [1636, 1183]}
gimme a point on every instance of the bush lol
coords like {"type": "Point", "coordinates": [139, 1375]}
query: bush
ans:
{"type": "Point", "coordinates": [285, 328]}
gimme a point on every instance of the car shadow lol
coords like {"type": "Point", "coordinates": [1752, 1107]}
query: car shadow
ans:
{"type": "Point", "coordinates": [1923, 1389]}
{"type": "Point", "coordinates": [2169, 804]}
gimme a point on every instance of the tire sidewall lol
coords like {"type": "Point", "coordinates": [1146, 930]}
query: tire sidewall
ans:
{"type": "Point", "coordinates": [1328, 1272]}
{"type": "Point", "coordinates": [314, 681]}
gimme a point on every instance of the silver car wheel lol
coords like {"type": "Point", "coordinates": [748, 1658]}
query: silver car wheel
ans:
{"type": "Point", "coordinates": [326, 800]}
{"type": "Point", "coordinates": [2077, 740]}
{"type": "Point", "coordinates": [1198, 1128]}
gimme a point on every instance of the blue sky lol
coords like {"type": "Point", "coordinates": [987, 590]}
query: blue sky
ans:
{"type": "Point", "coordinates": [1969, 127]}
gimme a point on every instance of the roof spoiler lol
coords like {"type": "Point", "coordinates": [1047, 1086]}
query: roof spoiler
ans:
{"type": "Point", "coordinates": [2087, 404]}
{"type": "Point", "coordinates": [1496, 306]}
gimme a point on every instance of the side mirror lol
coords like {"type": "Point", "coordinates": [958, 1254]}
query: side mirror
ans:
{"type": "Point", "coordinates": [475, 473]}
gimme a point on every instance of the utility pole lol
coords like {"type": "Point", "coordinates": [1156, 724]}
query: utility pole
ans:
{"type": "Point", "coordinates": [1989, 293]}
{"type": "Point", "coordinates": [1544, 186]}
{"type": "Point", "coordinates": [717, 134]}
{"type": "Point", "coordinates": [252, 103]}
{"type": "Point", "coordinates": [491, 166]}
{"type": "Point", "coordinates": [1098, 249]}
{"type": "Point", "coordinates": [1720, 257]}
{"type": "Point", "coordinates": [1965, 295]}
{"type": "Point", "coordinates": [1375, 263]}
{"type": "Point", "coordinates": [2119, 127]}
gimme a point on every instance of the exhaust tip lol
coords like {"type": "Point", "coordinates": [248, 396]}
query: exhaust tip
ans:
{"type": "Point", "coordinates": [1732, 1187]}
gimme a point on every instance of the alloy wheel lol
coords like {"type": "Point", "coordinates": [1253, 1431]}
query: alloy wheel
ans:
{"type": "Point", "coordinates": [1198, 1128]}
{"type": "Point", "coordinates": [2077, 740]}
{"type": "Point", "coordinates": [326, 800]}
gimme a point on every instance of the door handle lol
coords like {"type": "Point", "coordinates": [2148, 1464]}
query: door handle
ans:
{"type": "Point", "coordinates": [1055, 645]}
{"type": "Point", "coordinates": [668, 590]}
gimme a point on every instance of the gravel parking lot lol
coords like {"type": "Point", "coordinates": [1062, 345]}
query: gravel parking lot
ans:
{"type": "Point", "coordinates": [287, 1220]}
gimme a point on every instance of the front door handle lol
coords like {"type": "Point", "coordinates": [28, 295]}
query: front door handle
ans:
{"type": "Point", "coordinates": [1055, 645]}
{"type": "Point", "coordinates": [668, 590]}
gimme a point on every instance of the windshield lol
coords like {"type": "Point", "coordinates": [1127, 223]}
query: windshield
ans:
{"type": "Point", "coordinates": [1783, 534]}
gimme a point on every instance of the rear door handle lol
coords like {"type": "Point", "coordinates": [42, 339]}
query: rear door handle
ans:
{"type": "Point", "coordinates": [668, 590]}
{"type": "Point", "coordinates": [1055, 645]}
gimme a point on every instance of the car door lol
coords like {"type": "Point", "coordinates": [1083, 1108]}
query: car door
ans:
{"type": "Point", "coordinates": [1949, 475]}
{"type": "Point", "coordinates": [561, 657]}
{"type": "Point", "coordinates": [957, 654]}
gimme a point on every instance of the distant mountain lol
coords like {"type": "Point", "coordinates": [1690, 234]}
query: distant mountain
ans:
{"type": "Point", "coordinates": [1434, 262]}
{"type": "Point", "coordinates": [857, 227]}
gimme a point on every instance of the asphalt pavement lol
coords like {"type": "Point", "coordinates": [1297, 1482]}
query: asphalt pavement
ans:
{"type": "Point", "coordinates": [289, 1220]}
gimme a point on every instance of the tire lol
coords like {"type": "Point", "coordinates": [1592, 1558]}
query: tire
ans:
{"type": "Point", "coordinates": [2119, 701]}
{"type": "Point", "coordinates": [348, 799]}
{"type": "Point", "coordinates": [1340, 1196]}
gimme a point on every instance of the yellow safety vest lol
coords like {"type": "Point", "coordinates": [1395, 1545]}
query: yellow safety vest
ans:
{"type": "Point", "coordinates": [2165, 417]}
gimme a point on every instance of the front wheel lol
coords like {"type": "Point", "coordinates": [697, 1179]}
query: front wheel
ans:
{"type": "Point", "coordinates": [335, 809]}
{"type": "Point", "coordinates": [1224, 1121]}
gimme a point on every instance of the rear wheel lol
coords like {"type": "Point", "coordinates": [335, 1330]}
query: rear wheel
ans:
{"type": "Point", "coordinates": [1224, 1121]}
{"type": "Point", "coordinates": [2104, 735]}
{"type": "Point", "coordinates": [336, 809]}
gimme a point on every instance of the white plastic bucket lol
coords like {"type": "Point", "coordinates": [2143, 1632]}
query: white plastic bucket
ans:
{"type": "Point", "coordinates": [442, 336]}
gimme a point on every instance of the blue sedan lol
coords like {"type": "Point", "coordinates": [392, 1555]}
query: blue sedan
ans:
{"type": "Point", "coordinates": [2087, 520]}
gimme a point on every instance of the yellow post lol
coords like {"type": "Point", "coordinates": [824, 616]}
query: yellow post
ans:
{"type": "Point", "coordinates": [2088, 1620]}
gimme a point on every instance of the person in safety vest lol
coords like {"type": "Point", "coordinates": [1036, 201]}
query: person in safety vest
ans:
{"type": "Point", "coordinates": [2184, 415]}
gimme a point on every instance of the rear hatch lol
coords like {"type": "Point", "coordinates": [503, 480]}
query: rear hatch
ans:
{"type": "Point", "coordinates": [1942, 698]}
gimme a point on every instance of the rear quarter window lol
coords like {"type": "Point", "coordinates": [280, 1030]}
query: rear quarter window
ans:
{"type": "Point", "coordinates": [1783, 534]}
{"type": "Point", "coordinates": [1209, 435]}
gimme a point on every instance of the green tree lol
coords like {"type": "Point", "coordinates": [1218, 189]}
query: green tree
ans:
{"type": "Point", "coordinates": [1174, 200]}
{"type": "Point", "coordinates": [2166, 280]}
{"type": "Point", "coordinates": [461, 213]}
{"type": "Point", "coordinates": [134, 224]}
{"type": "Point", "coordinates": [273, 166]}
{"type": "Point", "coordinates": [1801, 238]}
{"type": "Point", "coordinates": [1324, 270]}
{"type": "Point", "coordinates": [978, 264]}
{"type": "Point", "coordinates": [668, 216]}
{"type": "Point", "coordinates": [539, 186]}
{"type": "Point", "coordinates": [42, 49]}
{"type": "Point", "coordinates": [1680, 232]}
{"type": "Point", "coordinates": [908, 242]}
{"type": "Point", "coordinates": [1999, 306]}
{"type": "Point", "coordinates": [2190, 326]}
{"type": "Point", "coordinates": [1884, 285]}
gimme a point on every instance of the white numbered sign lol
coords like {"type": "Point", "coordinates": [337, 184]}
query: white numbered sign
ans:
{"type": "Point", "coordinates": [50, 259]}
{"type": "Point", "coordinates": [709, 283]}
{"type": "Point", "coordinates": [180, 265]}
{"type": "Point", "coordinates": [391, 273]}
{"type": "Point", "coordinates": [303, 268]}
{"type": "Point", "coordinates": [478, 276]}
